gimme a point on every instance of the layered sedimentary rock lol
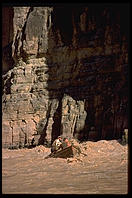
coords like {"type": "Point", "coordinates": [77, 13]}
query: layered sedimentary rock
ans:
{"type": "Point", "coordinates": [68, 75]}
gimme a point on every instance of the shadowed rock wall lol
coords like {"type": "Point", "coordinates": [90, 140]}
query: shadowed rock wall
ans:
{"type": "Point", "coordinates": [70, 74]}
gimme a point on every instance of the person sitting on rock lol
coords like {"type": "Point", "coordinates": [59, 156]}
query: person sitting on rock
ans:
{"type": "Point", "coordinates": [65, 143]}
{"type": "Point", "coordinates": [57, 145]}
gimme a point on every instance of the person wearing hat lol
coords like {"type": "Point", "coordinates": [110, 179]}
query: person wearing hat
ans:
{"type": "Point", "coordinates": [66, 143]}
{"type": "Point", "coordinates": [57, 145]}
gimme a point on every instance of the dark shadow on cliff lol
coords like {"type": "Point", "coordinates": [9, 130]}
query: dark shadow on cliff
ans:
{"type": "Point", "coordinates": [107, 120]}
{"type": "Point", "coordinates": [7, 39]}
{"type": "Point", "coordinates": [56, 127]}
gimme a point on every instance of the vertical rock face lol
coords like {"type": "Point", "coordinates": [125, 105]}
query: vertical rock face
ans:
{"type": "Point", "coordinates": [7, 38]}
{"type": "Point", "coordinates": [69, 74]}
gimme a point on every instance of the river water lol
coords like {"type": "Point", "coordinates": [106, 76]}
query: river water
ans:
{"type": "Point", "coordinates": [103, 171]}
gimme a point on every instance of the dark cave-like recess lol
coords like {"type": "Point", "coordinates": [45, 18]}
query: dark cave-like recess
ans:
{"type": "Point", "coordinates": [7, 38]}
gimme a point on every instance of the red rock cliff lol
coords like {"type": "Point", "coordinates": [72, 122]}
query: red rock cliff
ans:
{"type": "Point", "coordinates": [65, 71]}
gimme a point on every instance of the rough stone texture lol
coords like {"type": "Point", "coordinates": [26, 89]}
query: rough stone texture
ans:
{"type": "Point", "coordinates": [30, 31]}
{"type": "Point", "coordinates": [73, 117]}
{"type": "Point", "coordinates": [69, 74]}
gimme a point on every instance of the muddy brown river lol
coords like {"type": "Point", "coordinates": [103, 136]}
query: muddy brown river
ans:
{"type": "Point", "coordinates": [103, 170]}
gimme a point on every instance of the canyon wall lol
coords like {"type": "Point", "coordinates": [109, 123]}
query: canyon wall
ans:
{"type": "Point", "coordinates": [66, 73]}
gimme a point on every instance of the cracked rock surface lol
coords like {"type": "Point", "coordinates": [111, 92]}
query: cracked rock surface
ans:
{"type": "Point", "coordinates": [63, 75]}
